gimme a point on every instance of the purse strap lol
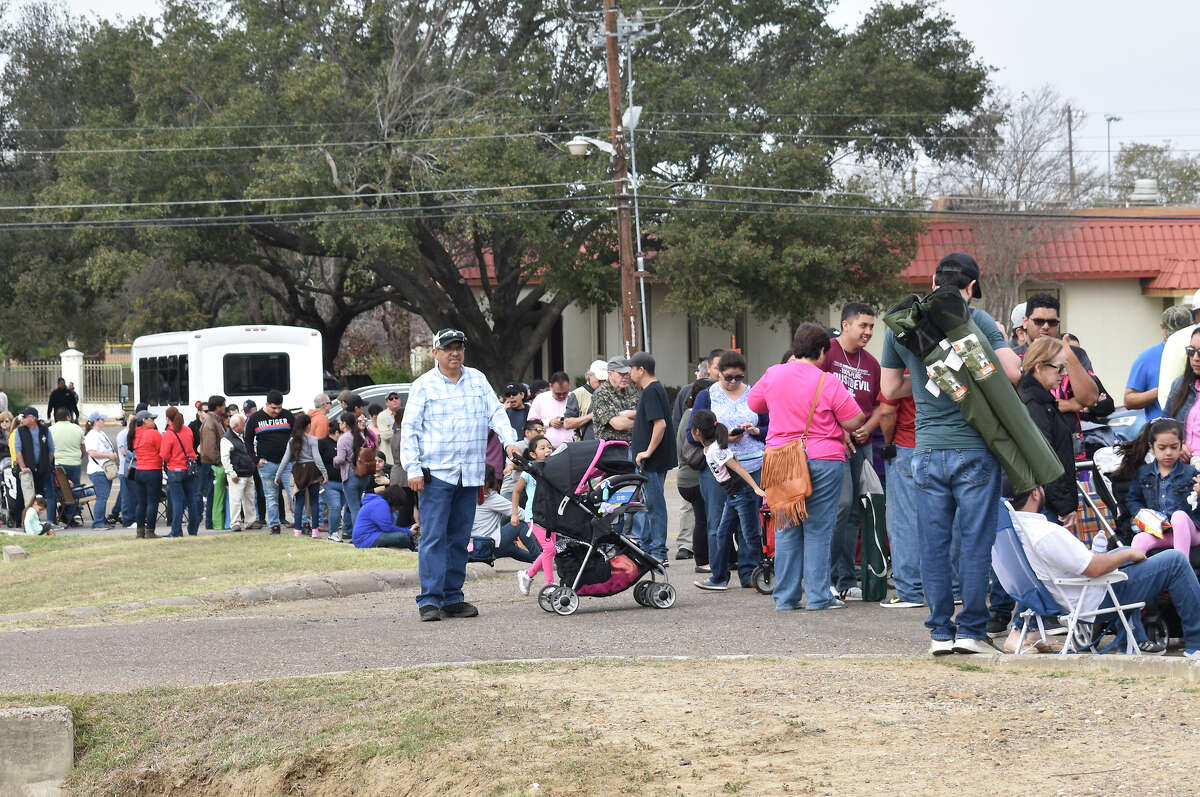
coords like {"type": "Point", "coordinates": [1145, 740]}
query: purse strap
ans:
{"type": "Point", "coordinates": [183, 450]}
{"type": "Point", "coordinates": [813, 409]}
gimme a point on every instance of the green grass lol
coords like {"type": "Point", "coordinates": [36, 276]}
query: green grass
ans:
{"type": "Point", "coordinates": [69, 571]}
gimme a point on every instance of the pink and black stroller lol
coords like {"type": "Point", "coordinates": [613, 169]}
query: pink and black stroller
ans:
{"type": "Point", "coordinates": [587, 494]}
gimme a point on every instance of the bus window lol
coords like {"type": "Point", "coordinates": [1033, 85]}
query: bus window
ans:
{"type": "Point", "coordinates": [147, 379]}
{"type": "Point", "coordinates": [256, 374]}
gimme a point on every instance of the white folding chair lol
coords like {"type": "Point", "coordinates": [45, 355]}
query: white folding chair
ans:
{"type": "Point", "coordinates": [1075, 612]}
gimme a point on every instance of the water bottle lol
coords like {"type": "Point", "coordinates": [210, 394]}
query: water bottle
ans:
{"type": "Point", "coordinates": [1099, 542]}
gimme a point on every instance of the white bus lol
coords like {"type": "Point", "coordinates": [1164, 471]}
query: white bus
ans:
{"type": "Point", "coordinates": [243, 362]}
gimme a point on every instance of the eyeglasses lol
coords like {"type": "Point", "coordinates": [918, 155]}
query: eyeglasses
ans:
{"type": "Point", "coordinates": [1192, 351]}
{"type": "Point", "coordinates": [733, 377]}
{"type": "Point", "coordinates": [1045, 322]}
{"type": "Point", "coordinates": [1062, 369]}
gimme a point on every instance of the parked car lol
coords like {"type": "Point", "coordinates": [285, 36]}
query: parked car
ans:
{"type": "Point", "coordinates": [372, 394]}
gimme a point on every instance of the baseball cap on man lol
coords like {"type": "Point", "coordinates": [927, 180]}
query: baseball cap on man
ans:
{"type": "Point", "coordinates": [445, 337]}
{"type": "Point", "coordinates": [964, 264]}
{"type": "Point", "coordinates": [599, 369]}
{"type": "Point", "coordinates": [30, 411]}
{"type": "Point", "coordinates": [513, 389]}
{"type": "Point", "coordinates": [618, 364]}
{"type": "Point", "coordinates": [1018, 315]}
{"type": "Point", "coordinates": [1175, 318]}
{"type": "Point", "coordinates": [1196, 300]}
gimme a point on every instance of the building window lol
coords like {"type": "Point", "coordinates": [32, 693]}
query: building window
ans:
{"type": "Point", "coordinates": [601, 346]}
{"type": "Point", "coordinates": [693, 341]}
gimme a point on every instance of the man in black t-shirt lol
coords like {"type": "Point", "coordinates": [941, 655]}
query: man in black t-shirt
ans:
{"type": "Point", "coordinates": [654, 451]}
{"type": "Point", "coordinates": [267, 434]}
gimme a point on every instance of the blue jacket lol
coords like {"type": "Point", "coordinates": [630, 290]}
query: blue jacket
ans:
{"type": "Point", "coordinates": [1144, 490]}
{"type": "Point", "coordinates": [374, 519]}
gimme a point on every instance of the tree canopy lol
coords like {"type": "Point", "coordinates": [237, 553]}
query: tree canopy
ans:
{"type": "Point", "coordinates": [303, 161]}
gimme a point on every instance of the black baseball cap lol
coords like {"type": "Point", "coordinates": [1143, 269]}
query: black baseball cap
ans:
{"type": "Point", "coordinates": [964, 264]}
{"type": "Point", "coordinates": [445, 337]}
{"type": "Point", "coordinates": [513, 389]}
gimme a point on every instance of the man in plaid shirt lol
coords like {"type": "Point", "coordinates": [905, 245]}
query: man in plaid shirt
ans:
{"type": "Point", "coordinates": [443, 439]}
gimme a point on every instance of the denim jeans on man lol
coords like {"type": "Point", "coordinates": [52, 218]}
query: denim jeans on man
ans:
{"type": "Point", "coordinates": [149, 484]}
{"type": "Point", "coordinates": [902, 520]}
{"type": "Point", "coordinates": [1167, 571]}
{"type": "Point", "coordinates": [740, 516]}
{"type": "Point", "coordinates": [651, 526]}
{"type": "Point", "coordinates": [267, 473]}
{"type": "Point", "coordinates": [205, 474]}
{"type": "Point", "coordinates": [184, 494]}
{"type": "Point", "coordinates": [963, 483]}
{"type": "Point", "coordinates": [73, 473]}
{"type": "Point", "coordinates": [447, 513]}
{"type": "Point", "coordinates": [100, 508]}
{"type": "Point", "coordinates": [844, 548]}
{"type": "Point", "coordinates": [129, 497]}
{"type": "Point", "coordinates": [802, 552]}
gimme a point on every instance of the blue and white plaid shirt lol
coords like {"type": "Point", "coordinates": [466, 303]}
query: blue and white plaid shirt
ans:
{"type": "Point", "coordinates": [446, 423]}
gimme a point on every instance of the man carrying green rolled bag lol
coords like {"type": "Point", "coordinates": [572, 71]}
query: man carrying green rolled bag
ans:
{"type": "Point", "coordinates": [954, 466]}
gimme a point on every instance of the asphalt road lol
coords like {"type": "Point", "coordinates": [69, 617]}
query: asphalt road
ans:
{"type": "Point", "coordinates": [382, 630]}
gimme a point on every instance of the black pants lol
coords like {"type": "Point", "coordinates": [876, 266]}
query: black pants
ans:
{"type": "Point", "coordinates": [700, 535]}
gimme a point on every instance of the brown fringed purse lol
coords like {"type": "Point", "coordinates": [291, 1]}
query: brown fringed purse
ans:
{"type": "Point", "coordinates": [785, 475]}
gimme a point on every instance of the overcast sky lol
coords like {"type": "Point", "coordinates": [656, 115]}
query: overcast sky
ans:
{"type": "Point", "coordinates": [1137, 60]}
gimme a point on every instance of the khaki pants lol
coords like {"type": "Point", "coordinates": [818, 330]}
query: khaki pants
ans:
{"type": "Point", "coordinates": [241, 499]}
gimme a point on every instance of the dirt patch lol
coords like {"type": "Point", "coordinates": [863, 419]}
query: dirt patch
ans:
{"type": "Point", "coordinates": [809, 726]}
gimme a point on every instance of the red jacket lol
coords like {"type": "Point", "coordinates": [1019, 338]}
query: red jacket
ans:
{"type": "Point", "coordinates": [172, 452]}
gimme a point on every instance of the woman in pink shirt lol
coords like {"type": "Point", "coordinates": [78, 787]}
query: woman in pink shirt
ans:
{"type": "Point", "coordinates": [806, 404]}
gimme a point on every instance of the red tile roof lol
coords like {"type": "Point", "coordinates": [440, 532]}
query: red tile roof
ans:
{"type": "Point", "coordinates": [1165, 251]}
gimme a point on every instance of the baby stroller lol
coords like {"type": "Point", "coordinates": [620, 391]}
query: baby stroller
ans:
{"type": "Point", "coordinates": [11, 507]}
{"type": "Point", "coordinates": [764, 573]}
{"type": "Point", "coordinates": [587, 493]}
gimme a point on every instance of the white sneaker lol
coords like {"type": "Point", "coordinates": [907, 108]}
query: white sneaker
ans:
{"type": "Point", "coordinates": [833, 591]}
{"type": "Point", "coordinates": [132, 527]}
{"type": "Point", "coordinates": [897, 603]}
{"type": "Point", "coordinates": [1191, 654]}
{"type": "Point", "coordinates": [852, 594]}
{"type": "Point", "coordinates": [967, 645]}
{"type": "Point", "coordinates": [941, 647]}
{"type": "Point", "coordinates": [523, 582]}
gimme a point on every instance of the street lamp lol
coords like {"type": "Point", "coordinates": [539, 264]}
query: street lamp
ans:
{"type": "Point", "coordinates": [578, 147]}
{"type": "Point", "coordinates": [1109, 119]}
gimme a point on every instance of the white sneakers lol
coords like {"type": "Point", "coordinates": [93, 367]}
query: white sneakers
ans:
{"type": "Point", "coordinates": [523, 582]}
{"type": "Point", "coordinates": [944, 647]}
{"type": "Point", "coordinates": [899, 603]}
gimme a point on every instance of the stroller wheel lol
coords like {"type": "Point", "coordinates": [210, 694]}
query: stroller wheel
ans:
{"type": "Point", "coordinates": [639, 592]}
{"type": "Point", "coordinates": [662, 596]}
{"type": "Point", "coordinates": [544, 597]}
{"type": "Point", "coordinates": [564, 600]}
{"type": "Point", "coordinates": [764, 579]}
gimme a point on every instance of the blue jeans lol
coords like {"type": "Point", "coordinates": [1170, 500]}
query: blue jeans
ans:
{"type": "Point", "coordinates": [651, 525]}
{"type": "Point", "coordinates": [741, 511]}
{"type": "Point", "coordinates": [149, 484]}
{"type": "Point", "coordinates": [844, 548]}
{"type": "Point", "coordinates": [714, 499]}
{"type": "Point", "coordinates": [957, 486]}
{"type": "Point", "coordinates": [353, 488]}
{"type": "Point", "coordinates": [902, 498]}
{"type": "Point", "coordinates": [184, 494]}
{"type": "Point", "coordinates": [100, 508]}
{"type": "Point", "coordinates": [206, 491]}
{"type": "Point", "coordinates": [509, 534]}
{"type": "Point", "coordinates": [802, 552]}
{"type": "Point", "coordinates": [267, 473]}
{"type": "Point", "coordinates": [73, 475]}
{"type": "Point", "coordinates": [335, 500]}
{"type": "Point", "coordinates": [447, 514]}
{"type": "Point", "coordinates": [129, 497]}
{"type": "Point", "coordinates": [394, 539]}
{"type": "Point", "coordinates": [1166, 571]}
{"type": "Point", "coordinates": [309, 497]}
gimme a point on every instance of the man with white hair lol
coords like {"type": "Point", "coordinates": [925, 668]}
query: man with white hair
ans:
{"type": "Point", "coordinates": [578, 415]}
{"type": "Point", "coordinates": [239, 475]}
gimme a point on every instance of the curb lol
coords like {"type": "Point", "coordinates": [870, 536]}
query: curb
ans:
{"type": "Point", "coordinates": [338, 584]}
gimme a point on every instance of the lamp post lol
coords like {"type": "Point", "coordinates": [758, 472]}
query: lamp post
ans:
{"type": "Point", "coordinates": [1109, 119]}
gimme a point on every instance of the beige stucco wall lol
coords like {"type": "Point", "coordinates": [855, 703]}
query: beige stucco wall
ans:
{"type": "Point", "coordinates": [1114, 323]}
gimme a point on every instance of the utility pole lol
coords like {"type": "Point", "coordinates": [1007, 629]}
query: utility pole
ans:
{"type": "Point", "coordinates": [628, 306]}
{"type": "Point", "coordinates": [1070, 153]}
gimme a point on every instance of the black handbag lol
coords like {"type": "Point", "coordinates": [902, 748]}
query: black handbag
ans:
{"type": "Point", "coordinates": [193, 467]}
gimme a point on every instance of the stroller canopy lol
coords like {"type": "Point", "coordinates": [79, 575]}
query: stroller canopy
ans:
{"type": "Point", "coordinates": [561, 473]}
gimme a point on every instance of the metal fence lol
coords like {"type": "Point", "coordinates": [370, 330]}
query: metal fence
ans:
{"type": "Point", "coordinates": [32, 381]}
{"type": "Point", "coordinates": [101, 382]}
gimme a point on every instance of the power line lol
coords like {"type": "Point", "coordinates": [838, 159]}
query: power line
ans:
{"type": "Point", "coordinates": [321, 197]}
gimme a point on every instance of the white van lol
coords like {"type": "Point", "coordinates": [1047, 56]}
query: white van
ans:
{"type": "Point", "coordinates": [243, 362]}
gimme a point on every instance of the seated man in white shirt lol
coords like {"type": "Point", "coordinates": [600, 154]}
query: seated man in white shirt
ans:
{"type": "Point", "coordinates": [1054, 552]}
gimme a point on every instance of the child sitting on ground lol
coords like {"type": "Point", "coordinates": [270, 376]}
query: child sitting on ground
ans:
{"type": "Point", "coordinates": [539, 448]}
{"type": "Point", "coordinates": [32, 521]}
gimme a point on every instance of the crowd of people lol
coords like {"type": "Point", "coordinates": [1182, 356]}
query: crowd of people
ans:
{"type": "Point", "coordinates": [441, 474]}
